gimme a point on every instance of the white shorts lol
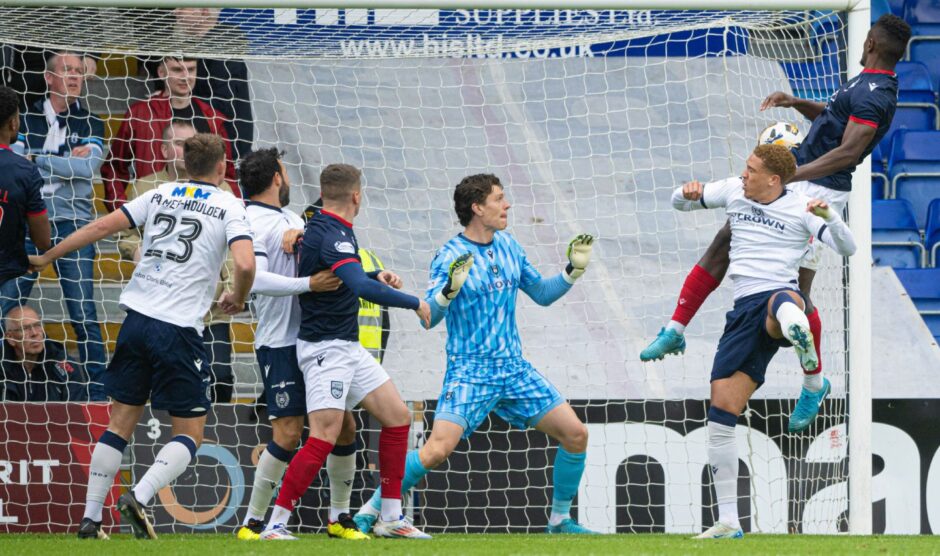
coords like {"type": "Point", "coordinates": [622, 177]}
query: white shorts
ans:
{"type": "Point", "coordinates": [337, 373]}
{"type": "Point", "coordinates": [837, 201]}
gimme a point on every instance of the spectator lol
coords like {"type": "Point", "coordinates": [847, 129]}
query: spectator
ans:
{"type": "Point", "coordinates": [34, 368]}
{"type": "Point", "coordinates": [136, 147]}
{"type": "Point", "coordinates": [21, 201]}
{"type": "Point", "coordinates": [217, 335]}
{"type": "Point", "coordinates": [223, 83]}
{"type": "Point", "coordinates": [66, 143]}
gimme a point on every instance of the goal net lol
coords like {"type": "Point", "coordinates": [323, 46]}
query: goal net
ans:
{"type": "Point", "coordinates": [590, 118]}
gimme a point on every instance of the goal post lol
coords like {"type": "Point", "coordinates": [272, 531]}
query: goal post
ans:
{"type": "Point", "coordinates": [588, 139]}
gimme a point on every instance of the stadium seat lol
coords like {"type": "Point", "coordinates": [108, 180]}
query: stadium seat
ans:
{"type": "Point", "coordinates": [896, 6]}
{"type": "Point", "coordinates": [923, 16]}
{"type": "Point", "coordinates": [880, 8]}
{"type": "Point", "coordinates": [914, 83]}
{"type": "Point", "coordinates": [918, 116]}
{"type": "Point", "coordinates": [895, 237]}
{"type": "Point", "coordinates": [812, 80]}
{"type": "Point", "coordinates": [914, 170]}
{"type": "Point", "coordinates": [923, 286]}
{"type": "Point", "coordinates": [926, 49]}
{"type": "Point", "coordinates": [879, 173]}
{"type": "Point", "coordinates": [932, 231]}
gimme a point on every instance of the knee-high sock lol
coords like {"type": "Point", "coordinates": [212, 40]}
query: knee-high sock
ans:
{"type": "Point", "coordinates": [565, 478]}
{"type": "Point", "coordinates": [414, 472]}
{"type": "Point", "coordinates": [698, 285]}
{"type": "Point", "coordinates": [815, 326]}
{"type": "Point", "coordinates": [341, 469]}
{"type": "Point", "coordinates": [171, 460]}
{"type": "Point", "coordinates": [271, 466]}
{"type": "Point", "coordinates": [302, 470]}
{"type": "Point", "coordinates": [393, 445]}
{"type": "Point", "coordinates": [723, 458]}
{"type": "Point", "coordinates": [105, 462]}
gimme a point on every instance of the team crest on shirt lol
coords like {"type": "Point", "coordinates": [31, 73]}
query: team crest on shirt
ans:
{"type": "Point", "coordinates": [282, 399]}
{"type": "Point", "coordinates": [494, 269]}
{"type": "Point", "coordinates": [490, 254]}
{"type": "Point", "coordinates": [757, 211]}
{"type": "Point", "coordinates": [344, 247]}
{"type": "Point", "coordinates": [336, 389]}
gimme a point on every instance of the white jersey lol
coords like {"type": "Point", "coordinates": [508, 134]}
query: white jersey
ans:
{"type": "Point", "coordinates": [768, 241]}
{"type": "Point", "coordinates": [188, 227]}
{"type": "Point", "coordinates": [278, 317]}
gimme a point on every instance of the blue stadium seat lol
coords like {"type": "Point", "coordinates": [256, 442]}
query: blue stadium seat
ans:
{"type": "Point", "coordinates": [923, 285]}
{"type": "Point", "coordinates": [813, 80]}
{"type": "Point", "coordinates": [879, 173]}
{"type": "Point", "coordinates": [914, 83]}
{"type": "Point", "coordinates": [932, 231]}
{"type": "Point", "coordinates": [919, 116]}
{"type": "Point", "coordinates": [897, 7]}
{"type": "Point", "coordinates": [924, 18]}
{"type": "Point", "coordinates": [895, 237]}
{"type": "Point", "coordinates": [926, 49]}
{"type": "Point", "coordinates": [880, 8]}
{"type": "Point", "coordinates": [914, 170]}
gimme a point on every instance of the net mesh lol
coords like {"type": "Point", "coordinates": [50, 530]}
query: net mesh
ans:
{"type": "Point", "coordinates": [591, 118]}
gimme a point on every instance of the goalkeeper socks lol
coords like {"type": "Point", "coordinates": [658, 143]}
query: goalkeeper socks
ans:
{"type": "Point", "coordinates": [341, 470]}
{"type": "Point", "coordinates": [271, 466]}
{"type": "Point", "coordinates": [566, 476]}
{"type": "Point", "coordinates": [815, 326]}
{"type": "Point", "coordinates": [393, 445]}
{"type": "Point", "coordinates": [300, 473]}
{"type": "Point", "coordinates": [169, 463]}
{"type": "Point", "coordinates": [723, 459]}
{"type": "Point", "coordinates": [414, 472]}
{"type": "Point", "coordinates": [105, 462]}
{"type": "Point", "coordinates": [698, 285]}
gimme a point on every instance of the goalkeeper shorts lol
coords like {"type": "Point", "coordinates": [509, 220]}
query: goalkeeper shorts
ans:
{"type": "Point", "coordinates": [745, 344]}
{"type": "Point", "coordinates": [511, 388]}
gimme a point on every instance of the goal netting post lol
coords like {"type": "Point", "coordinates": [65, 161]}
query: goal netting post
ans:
{"type": "Point", "coordinates": [590, 117]}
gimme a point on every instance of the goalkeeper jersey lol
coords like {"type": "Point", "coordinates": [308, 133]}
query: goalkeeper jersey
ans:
{"type": "Point", "coordinates": [481, 320]}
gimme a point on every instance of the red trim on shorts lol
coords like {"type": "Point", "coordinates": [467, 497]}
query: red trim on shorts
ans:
{"type": "Point", "coordinates": [338, 264]}
{"type": "Point", "coordinates": [869, 123]}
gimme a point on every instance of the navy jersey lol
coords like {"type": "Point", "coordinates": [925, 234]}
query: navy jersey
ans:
{"type": "Point", "coordinates": [870, 98]}
{"type": "Point", "coordinates": [20, 195]}
{"type": "Point", "coordinates": [329, 243]}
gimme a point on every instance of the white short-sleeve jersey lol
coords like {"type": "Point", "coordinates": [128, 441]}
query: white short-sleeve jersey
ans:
{"type": "Point", "coordinates": [767, 240]}
{"type": "Point", "coordinates": [188, 227]}
{"type": "Point", "coordinates": [278, 317]}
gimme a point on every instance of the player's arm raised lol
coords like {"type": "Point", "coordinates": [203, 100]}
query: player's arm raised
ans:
{"type": "Point", "coordinates": [695, 195]}
{"type": "Point", "coordinates": [854, 141]}
{"type": "Point", "coordinates": [355, 278]}
{"type": "Point", "coordinates": [834, 231]}
{"type": "Point", "coordinates": [87, 234]}
{"type": "Point", "coordinates": [808, 108]}
{"type": "Point", "coordinates": [547, 291]}
{"type": "Point", "coordinates": [446, 285]}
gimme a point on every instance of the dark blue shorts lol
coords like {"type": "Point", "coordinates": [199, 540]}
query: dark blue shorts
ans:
{"type": "Point", "coordinates": [283, 381]}
{"type": "Point", "coordinates": [745, 345]}
{"type": "Point", "coordinates": [163, 362]}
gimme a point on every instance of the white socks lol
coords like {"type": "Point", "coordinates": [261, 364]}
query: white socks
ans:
{"type": "Point", "coordinates": [391, 509]}
{"type": "Point", "coordinates": [556, 518]}
{"type": "Point", "coordinates": [171, 461]}
{"type": "Point", "coordinates": [813, 382]}
{"type": "Point", "coordinates": [268, 475]}
{"type": "Point", "coordinates": [677, 326]}
{"type": "Point", "coordinates": [105, 462]}
{"type": "Point", "coordinates": [341, 470]}
{"type": "Point", "coordinates": [279, 516]}
{"type": "Point", "coordinates": [723, 458]}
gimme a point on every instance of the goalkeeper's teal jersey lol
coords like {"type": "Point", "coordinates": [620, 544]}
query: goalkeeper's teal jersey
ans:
{"type": "Point", "coordinates": [481, 320]}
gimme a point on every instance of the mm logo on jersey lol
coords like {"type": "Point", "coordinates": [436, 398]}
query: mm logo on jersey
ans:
{"type": "Point", "coordinates": [191, 192]}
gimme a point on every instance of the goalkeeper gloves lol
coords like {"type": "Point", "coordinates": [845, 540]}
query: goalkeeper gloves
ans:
{"type": "Point", "coordinates": [456, 276]}
{"type": "Point", "coordinates": [579, 255]}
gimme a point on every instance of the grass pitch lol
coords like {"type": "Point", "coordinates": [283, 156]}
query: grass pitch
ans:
{"type": "Point", "coordinates": [459, 545]}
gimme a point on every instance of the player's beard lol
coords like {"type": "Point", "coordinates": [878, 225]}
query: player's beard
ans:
{"type": "Point", "coordinates": [283, 195]}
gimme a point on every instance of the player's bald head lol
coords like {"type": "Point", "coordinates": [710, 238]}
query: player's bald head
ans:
{"type": "Point", "coordinates": [338, 182]}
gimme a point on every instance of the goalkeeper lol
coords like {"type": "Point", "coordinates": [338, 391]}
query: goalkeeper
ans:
{"type": "Point", "coordinates": [485, 368]}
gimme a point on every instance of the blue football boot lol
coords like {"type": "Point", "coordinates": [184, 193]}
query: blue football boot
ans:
{"type": "Point", "coordinates": [667, 342]}
{"type": "Point", "coordinates": [807, 407]}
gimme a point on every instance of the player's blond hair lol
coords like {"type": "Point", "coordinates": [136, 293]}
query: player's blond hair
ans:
{"type": "Point", "coordinates": [778, 160]}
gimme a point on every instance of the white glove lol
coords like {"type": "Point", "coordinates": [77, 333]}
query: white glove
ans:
{"type": "Point", "coordinates": [579, 256]}
{"type": "Point", "coordinates": [456, 276]}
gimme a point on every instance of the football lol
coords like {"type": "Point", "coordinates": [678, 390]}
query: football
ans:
{"type": "Point", "coordinates": [781, 133]}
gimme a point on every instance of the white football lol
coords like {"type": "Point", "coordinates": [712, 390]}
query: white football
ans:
{"type": "Point", "coordinates": [781, 133]}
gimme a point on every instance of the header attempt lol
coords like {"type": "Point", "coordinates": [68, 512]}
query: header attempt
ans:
{"type": "Point", "coordinates": [838, 5]}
